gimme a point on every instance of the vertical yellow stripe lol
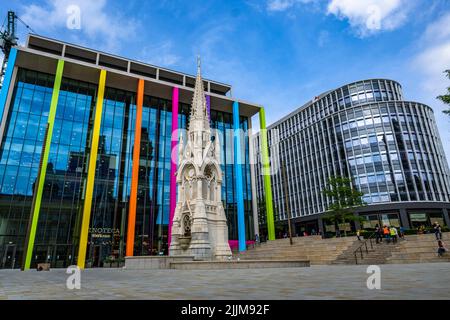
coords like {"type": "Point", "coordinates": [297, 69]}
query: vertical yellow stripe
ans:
{"type": "Point", "coordinates": [91, 172]}
{"type": "Point", "coordinates": [36, 208]}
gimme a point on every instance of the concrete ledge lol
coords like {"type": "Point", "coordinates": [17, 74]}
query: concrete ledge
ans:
{"type": "Point", "coordinates": [153, 262]}
{"type": "Point", "coordinates": [243, 264]}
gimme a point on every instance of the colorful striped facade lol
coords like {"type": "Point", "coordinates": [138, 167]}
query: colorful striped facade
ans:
{"type": "Point", "coordinates": [87, 171]}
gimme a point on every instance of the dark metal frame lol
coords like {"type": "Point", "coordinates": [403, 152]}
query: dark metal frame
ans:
{"type": "Point", "coordinates": [360, 249]}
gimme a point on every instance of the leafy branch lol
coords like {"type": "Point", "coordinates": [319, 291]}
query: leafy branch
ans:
{"type": "Point", "coordinates": [446, 97]}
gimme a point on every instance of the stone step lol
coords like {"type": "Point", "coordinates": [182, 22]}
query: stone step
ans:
{"type": "Point", "coordinates": [409, 261]}
{"type": "Point", "coordinates": [422, 255]}
{"type": "Point", "coordinates": [315, 245]}
{"type": "Point", "coordinates": [419, 250]}
{"type": "Point", "coordinates": [305, 250]}
{"type": "Point", "coordinates": [242, 264]}
{"type": "Point", "coordinates": [422, 237]}
{"type": "Point", "coordinates": [279, 243]}
{"type": "Point", "coordinates": [341, 250]}
{"type": "Point", "coordinates": [329, 247]}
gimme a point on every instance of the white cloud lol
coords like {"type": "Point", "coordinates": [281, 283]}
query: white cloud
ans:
{"type": "Point", "coordinates": [438, 30]}
{"type": "Point", "coordinates": [160, 55]}
{"type": "Point", "coordinates": [429, 64]}
{"type": "Point", "coordinates": [105, 29]}
{"type": "Point", "coordinates": [432, 62]}
{"type": "Point", "coordinates": [366, 17]}
{"type": "Point", "coordinates": [282, 5]}
{"type": "Point", "coordinates": [434, 56]}
{"type": "Point", "coordinates": [370, 16]}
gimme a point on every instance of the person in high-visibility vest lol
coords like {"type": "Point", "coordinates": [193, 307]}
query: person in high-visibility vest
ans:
{"type": "Point", "coordinates": [386, 233]}
{"type": "Point", "coordinates": [393, 233]}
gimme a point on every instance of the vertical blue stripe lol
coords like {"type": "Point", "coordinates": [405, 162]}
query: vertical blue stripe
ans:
{"type": "Point", "coordinates": [238, 176]}
{"type": "Point", "coordinates": [7, 81]}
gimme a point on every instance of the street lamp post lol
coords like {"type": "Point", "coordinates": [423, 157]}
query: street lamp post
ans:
{"type": "Point", "coordinates": [286, 200]}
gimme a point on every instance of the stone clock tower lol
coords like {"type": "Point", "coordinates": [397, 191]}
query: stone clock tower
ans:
{"type": "Point", "coordinates": [199, 225]}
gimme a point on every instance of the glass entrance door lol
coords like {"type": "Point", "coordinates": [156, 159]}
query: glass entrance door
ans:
{"type": "Point", "coordinates": [96, 256]}
{"type": "Point", "coordinates": [9, 257]}
{"type": "Point", "coordinates": [62, 256]}
{"type": "Point", "coordinates": [43, 254]}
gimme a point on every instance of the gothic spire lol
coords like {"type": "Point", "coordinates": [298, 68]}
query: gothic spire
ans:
{"type": "Point", "coordinates": [198, 109]}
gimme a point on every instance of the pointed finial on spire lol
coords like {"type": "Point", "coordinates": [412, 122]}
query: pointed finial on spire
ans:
{"type": "Point", "coordinates": [199, 109]}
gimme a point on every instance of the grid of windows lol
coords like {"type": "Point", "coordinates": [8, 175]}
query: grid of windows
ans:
{"type": "Point", "coordinates": [223, 122]}
{"type": "Point", "coordinates": [152, 214]}
{"type": "Point", "coordinates": [390, 147]}
{"type": "Point", "coordinates": [63, 196]}
{"type": "Point", "coordinates": [20, 154]}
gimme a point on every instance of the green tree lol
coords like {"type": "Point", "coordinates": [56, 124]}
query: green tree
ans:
{"type": "Point", "coordinates": [446, 97]}
{"type": "Point", "coordinates": [345, 200]}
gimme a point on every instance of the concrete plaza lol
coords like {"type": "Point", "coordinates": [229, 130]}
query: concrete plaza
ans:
{"type": "Point", "coordinates": [412, 281]}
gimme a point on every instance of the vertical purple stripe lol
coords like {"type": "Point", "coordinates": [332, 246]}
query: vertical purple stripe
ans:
{"type": "Point", "coordinates": [208, 106]}
{"type": "Point", "coordinates": [174, 162]}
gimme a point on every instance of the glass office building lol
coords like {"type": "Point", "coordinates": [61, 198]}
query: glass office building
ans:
{"type": "Point", "coordinates": [368, 132]}
{"type": "Point", "coordinates": [57, 114]}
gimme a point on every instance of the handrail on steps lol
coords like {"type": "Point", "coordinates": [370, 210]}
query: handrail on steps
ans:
{"type": "Point", "coordinates": [364, 244]}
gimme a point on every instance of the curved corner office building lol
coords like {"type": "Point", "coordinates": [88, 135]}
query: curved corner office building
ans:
{"type": "Point", "coordinates": [364, 130]}
{"type": "Point", "coordinates": [72, 182]}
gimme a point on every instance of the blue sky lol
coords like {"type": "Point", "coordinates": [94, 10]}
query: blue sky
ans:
{"type": "Point", "coordinates": [278, 53]}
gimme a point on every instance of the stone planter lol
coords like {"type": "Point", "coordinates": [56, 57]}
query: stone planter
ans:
{"type": "Point", "coordinates": [184, 242]}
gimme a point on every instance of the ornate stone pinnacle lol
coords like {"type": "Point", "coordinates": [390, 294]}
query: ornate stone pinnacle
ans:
{"type": "Point", "coordinates": [199, 113]}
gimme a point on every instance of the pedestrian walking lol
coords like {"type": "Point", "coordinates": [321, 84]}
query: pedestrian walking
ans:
{"type": "Point", "coordinates": [386, 234]}
{"type": "Point", "coordinates": [437, 231]}
{"type": "Point", "coordinates": [402, 232]}
{"type": "Point", "coordinates": [441, 248]}
{"type": "Point", "coordinates": [380, 234]}
{"type": "Point", "coordinates": [358, 234]}
{"type": "Point", "coordinates": [377, 233]}
{"type": "Point", "coordinates": [394, 234]}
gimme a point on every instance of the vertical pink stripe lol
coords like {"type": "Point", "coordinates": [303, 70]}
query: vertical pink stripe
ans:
{"type": "Point", "coordinates": [174, 161]}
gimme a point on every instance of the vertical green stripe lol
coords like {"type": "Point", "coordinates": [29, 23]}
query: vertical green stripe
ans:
{"type": "Point", "coordinates": [43, 169]}
{"type": "Point", "coordinates": [266, 175]}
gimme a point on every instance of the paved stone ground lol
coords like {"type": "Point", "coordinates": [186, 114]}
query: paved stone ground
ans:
{"type": "Point", "coordinates": [413, 281]}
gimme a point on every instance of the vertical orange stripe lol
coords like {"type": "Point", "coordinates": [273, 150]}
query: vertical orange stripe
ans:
{"type": "Point", "coordinates": [135, 170]}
